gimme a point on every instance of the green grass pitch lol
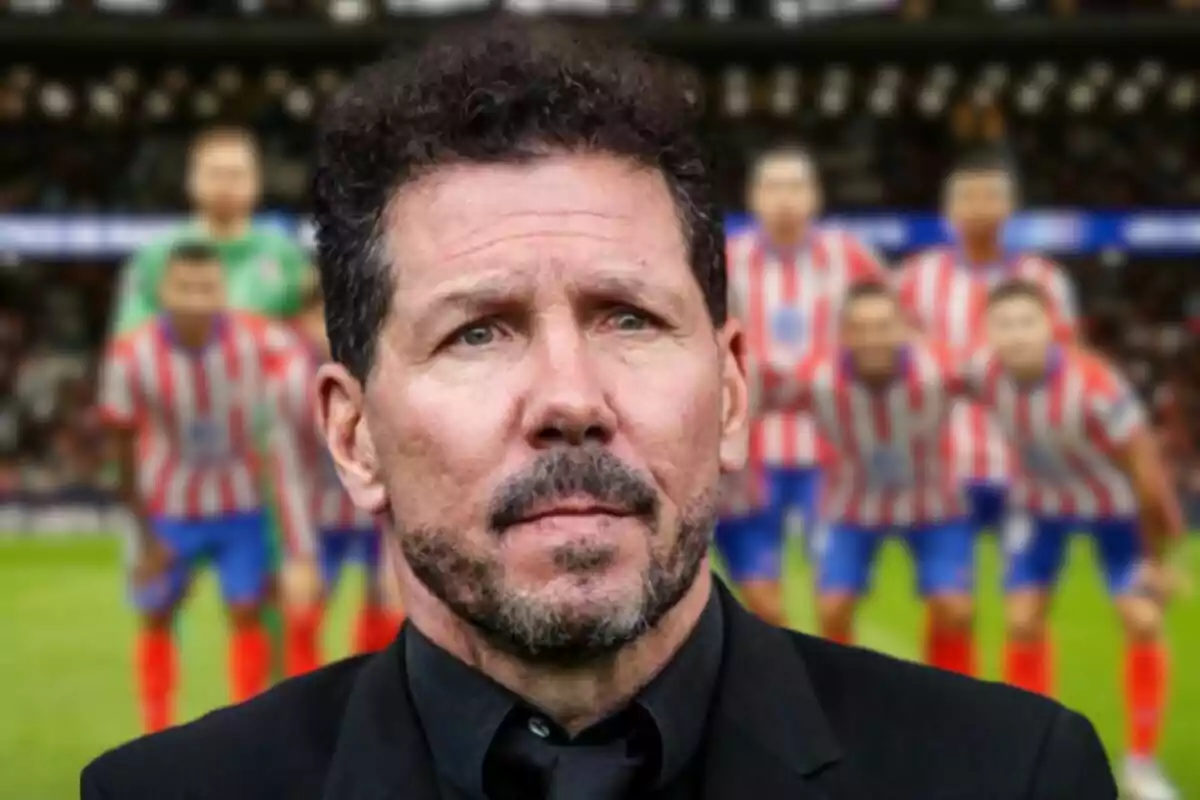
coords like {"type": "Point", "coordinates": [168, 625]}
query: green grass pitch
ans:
{"type": "Point", "coordinates": [66, 683]}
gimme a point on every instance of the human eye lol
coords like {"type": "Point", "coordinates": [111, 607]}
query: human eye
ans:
{"type": "Point", "coordinates": [631, 320]}
{"type": "Point", "coordinates": [479, 333]}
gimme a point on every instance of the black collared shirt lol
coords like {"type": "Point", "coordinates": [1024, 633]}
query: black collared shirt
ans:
{"type": "Point", "coordinates": [483, 736]}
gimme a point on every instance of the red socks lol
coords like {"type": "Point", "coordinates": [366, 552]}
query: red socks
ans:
{"type": "Point", "coordinates": [301, 649]}
{"type": "Point", "coordinates": [953, 651]}
{"type": "Point", "coordinates": [1029, 665]}
{"type": "Point", "coordinates": [373, 630]}
{"type": "Point", "coordinates": [1145, 695]}
{"type": "Point", "coordinates": [249, 661]}
{"type": "Point", "coordinates": [156, 672]}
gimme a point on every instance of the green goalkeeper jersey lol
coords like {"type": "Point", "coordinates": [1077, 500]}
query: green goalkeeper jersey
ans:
{"type": "Point", "coordinates": [266, 273]}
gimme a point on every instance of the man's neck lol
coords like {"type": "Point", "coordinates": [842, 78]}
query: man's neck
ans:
{"type": "Point", "coordinates": [787, 240]}
{"type": "Point", "coordinates": [224, 230]}
{"type": "Point", "coordinates": [574, 698]}
{"type": "Point", "coordinates": [983, 251]}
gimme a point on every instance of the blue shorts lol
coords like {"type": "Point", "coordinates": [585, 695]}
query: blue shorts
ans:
{"type": "Point", "coordinates": [1036, 548]}
{"type": "Point", "coordinates": [986, 503]}
{"type": "Point", "coordinates": [339, 545]}
{"type": "Point", "coordinates": [751, 547]}
{"type": "Point", "coordinates": [237, 544]}
{"type": "Point", "coordinates": [944, 553]}
{"type": "Point", "coordinates": [795, 489]}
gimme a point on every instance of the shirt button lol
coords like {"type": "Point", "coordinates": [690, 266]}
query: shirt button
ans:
{"type": "Point", "coordinates": [538, 727]}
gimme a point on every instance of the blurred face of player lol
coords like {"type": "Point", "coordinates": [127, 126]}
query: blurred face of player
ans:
{"type": "Point", "coordinates": [193, 294]}
{"type": "Point", "coordinates": [785, 197]}
{"type": "Point", "coordinates": [978, 204]}
{"type": "Point", "coordinates": [550, 406]}
{"type": "Point", "coordinates": [1020, 331]}
{"type": "Point", "coordinates": [224, 180]}
{"type": "Point", "coordinates": [874, 335]}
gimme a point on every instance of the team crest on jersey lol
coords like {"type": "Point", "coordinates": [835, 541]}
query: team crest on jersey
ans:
{"type": "Point", "coordinates": [787, 327]}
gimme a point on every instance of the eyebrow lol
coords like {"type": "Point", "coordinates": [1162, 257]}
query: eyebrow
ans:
{"type": "Point", "coordinates": [496, 292]}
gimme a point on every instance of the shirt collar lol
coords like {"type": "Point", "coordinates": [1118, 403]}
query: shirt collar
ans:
{"type": "Point", "coordinates": [446, 692]}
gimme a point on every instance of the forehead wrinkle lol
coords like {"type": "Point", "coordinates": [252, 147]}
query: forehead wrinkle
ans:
{"type": "Point", "coordinates": [474, 248]}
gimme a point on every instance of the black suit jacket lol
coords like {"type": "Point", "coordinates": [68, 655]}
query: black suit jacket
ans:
{"type": "Point", "coordinates": [795, 718]}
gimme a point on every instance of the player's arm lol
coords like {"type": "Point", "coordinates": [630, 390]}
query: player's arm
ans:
{"type": "Point", "coordinates": [1064, 306]}
{"type": "Point", "coordinates": [1123, 423]}
{"type": "Point", "coordinates": [291, 477]}
{"type": "Point", "coordinates": [122, 409]}
{"type": "Point", "coordinates": [865, 263]}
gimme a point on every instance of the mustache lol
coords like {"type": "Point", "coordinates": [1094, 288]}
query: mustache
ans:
{"type": "Point", "coordinates": [560, 474]}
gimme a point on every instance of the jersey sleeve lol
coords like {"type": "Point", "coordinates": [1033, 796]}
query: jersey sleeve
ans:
{"type": "Point", "coordinates": [119, 401]}
{"type": "Point", "coordinates": [1063, 304]}
{"type": "Point", "coordinates": [1116, 409]}
{"type": "Point", "coordinates": [291, 476]}
{"type": "Point", "coordinates": [137, 293]}
{"type": "Point", "coordinates": [865, 263]}
{"type": "Point", "coordinates": [904, 285]}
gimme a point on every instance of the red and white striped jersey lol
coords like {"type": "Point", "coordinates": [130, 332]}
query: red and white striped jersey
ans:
{"type": "Point", "coordinates": [194, 412]}
{"type": "Point", "coordinates": [890, 466]}
{"type": "Point", "coordinates": [310, 495]}
{"type": "Point", "coordinates": [1068, 430]}
{"type": "Point", "coordinates": [947, 299]}
{"type": "Point", "coordinates": [789, 303]}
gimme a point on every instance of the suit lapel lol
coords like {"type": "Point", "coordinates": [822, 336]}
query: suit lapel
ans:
{"type": "Point", "coordinates": [381, 752]}
{"type": "Point", "coordinates": [768, 736]}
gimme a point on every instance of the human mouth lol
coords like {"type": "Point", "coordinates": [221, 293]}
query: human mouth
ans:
{"type": "Point", "coordinates": [572, 508]}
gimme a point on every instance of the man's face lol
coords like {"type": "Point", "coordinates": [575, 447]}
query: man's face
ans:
{"type": "Point", "coordinates": [978, 204]}
{"type": "Point", "coordinates": [193, 290]}
{"type": "Point", "coordinates": [874, 333]}
{"type": "Point", "coordinates": [224, 179]}
{"type": "Point", "coordinates": [1020, 331]}
{"type": "Point", "coordinates": [784, 196]}
{"type": "Point", "coordinates": [550, 406]}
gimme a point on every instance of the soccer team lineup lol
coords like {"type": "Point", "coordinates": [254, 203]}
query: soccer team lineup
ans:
{"type": "Point", "coordinates": [937, 406]}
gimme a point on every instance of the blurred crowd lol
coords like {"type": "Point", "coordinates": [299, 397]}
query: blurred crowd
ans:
{"type": "Point", "coordinates": [114, 137]}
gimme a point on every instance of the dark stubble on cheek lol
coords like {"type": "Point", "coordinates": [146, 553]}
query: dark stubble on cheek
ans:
{"type": "Point", "coordinates": [473, 585]}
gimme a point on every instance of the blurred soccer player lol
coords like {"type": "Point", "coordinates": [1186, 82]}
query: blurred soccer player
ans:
{"type": "Point", "coordinates": [944, 291]}
{"type": "Point", "coordinates": [323, 529]}
{"type": "Point", "coordinates": [790, 277]}
{"type": "Point", "coordinates": [180, 392]}
{"type": "Point", "coordinates": [265, 270]}
{"type": "Point", "coordinates": [883, 401]}
{"type": "Point", "coordinates": [1089, 463]}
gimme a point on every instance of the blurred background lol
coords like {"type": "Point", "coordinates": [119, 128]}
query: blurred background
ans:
{"type": "Point", "coordinates": [1097, 100]}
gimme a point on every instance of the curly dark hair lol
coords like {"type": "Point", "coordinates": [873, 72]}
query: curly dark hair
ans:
{"type": "Point", "coordinates": [505, 90]}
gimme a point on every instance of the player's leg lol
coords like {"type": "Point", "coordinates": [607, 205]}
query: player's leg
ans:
{"type": "Point", "coordinates": [304, 615]}
{"type": "Point", "coordinates": [373, 629]}
{"type": "Point", "coordinates": [750, 547]}
{"type": "Point", "coordinates": [1034, 553]}
{"type": "Point", "coordinates": [156, 659]}
{"type": "Point", "coordinates": [843, 555]}
{"type": "Point", "coordinates": [1146, 665]}
{"type": "Point", "coordinates": [945, 556]}
{"type": "Point", "coordinates": [243, 558]}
